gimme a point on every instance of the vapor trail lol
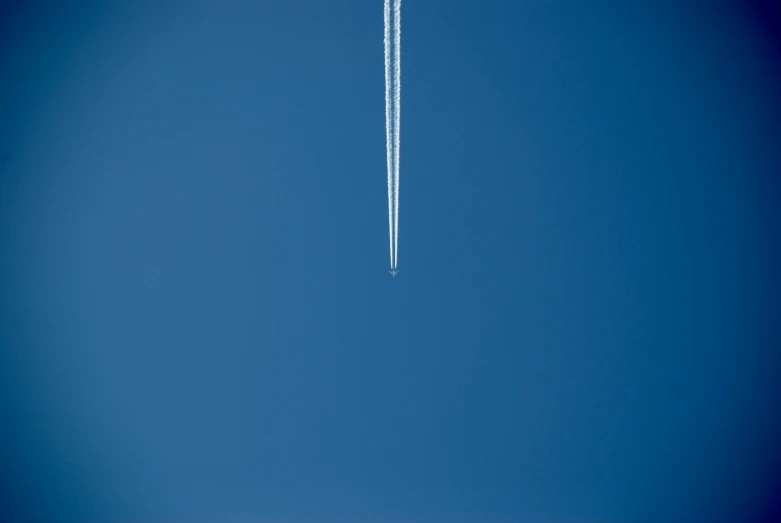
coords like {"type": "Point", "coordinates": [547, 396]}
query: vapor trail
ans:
{"type": "Point", "coordinates": [393, 119]}
{"type": "Point", "coordinates": [396, 123]}
{"type": "Point", "coordinates": [389, 128]}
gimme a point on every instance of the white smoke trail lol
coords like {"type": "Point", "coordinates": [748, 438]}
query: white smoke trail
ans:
{"type": "Point", "coordinates": [388, 127]}
{"type": "Point", "coordinates": [396, 123]}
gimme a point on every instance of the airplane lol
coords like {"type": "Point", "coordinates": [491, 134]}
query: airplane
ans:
{"type": "Point", "coordinates": [393, 272]}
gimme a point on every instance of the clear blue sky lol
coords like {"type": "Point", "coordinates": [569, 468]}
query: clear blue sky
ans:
{"type": "Point", "coordinates": [196, 319]}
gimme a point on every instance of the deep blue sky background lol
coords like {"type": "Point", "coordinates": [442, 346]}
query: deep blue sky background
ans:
{"type": "Point", "coordinates": [196, 322]}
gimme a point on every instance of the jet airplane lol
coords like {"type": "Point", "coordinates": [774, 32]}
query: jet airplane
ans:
{"type": "Point", "coordinates": [393, 272]}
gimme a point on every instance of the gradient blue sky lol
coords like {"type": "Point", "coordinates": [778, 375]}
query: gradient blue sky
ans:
{"type": "Point", "coordinates": [196, 322]}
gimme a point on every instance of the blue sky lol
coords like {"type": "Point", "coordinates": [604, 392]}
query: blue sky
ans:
{"type": "Point", "coordinates": [197, 321]}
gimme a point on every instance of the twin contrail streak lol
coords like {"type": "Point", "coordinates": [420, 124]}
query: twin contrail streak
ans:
{"type": "Point", "coordinates": [389, 126]}
{"type": "Point", "coordinates": [393, 120]}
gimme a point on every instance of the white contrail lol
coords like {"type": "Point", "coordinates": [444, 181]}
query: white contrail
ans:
{"type": "Point", "coordinates": [396, 123]}
{"type": "Point", "coordinates": [388, 127]}
{"type": "Point", "coordinates": [393, 120]}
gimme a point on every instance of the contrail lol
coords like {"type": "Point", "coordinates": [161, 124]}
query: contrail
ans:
{"type": "Point", "coordinates": [396, 123]}
{"type": "Point", "coordinates": [389, 129]}
{"type": "Point", "coordinates": [393, 120]}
